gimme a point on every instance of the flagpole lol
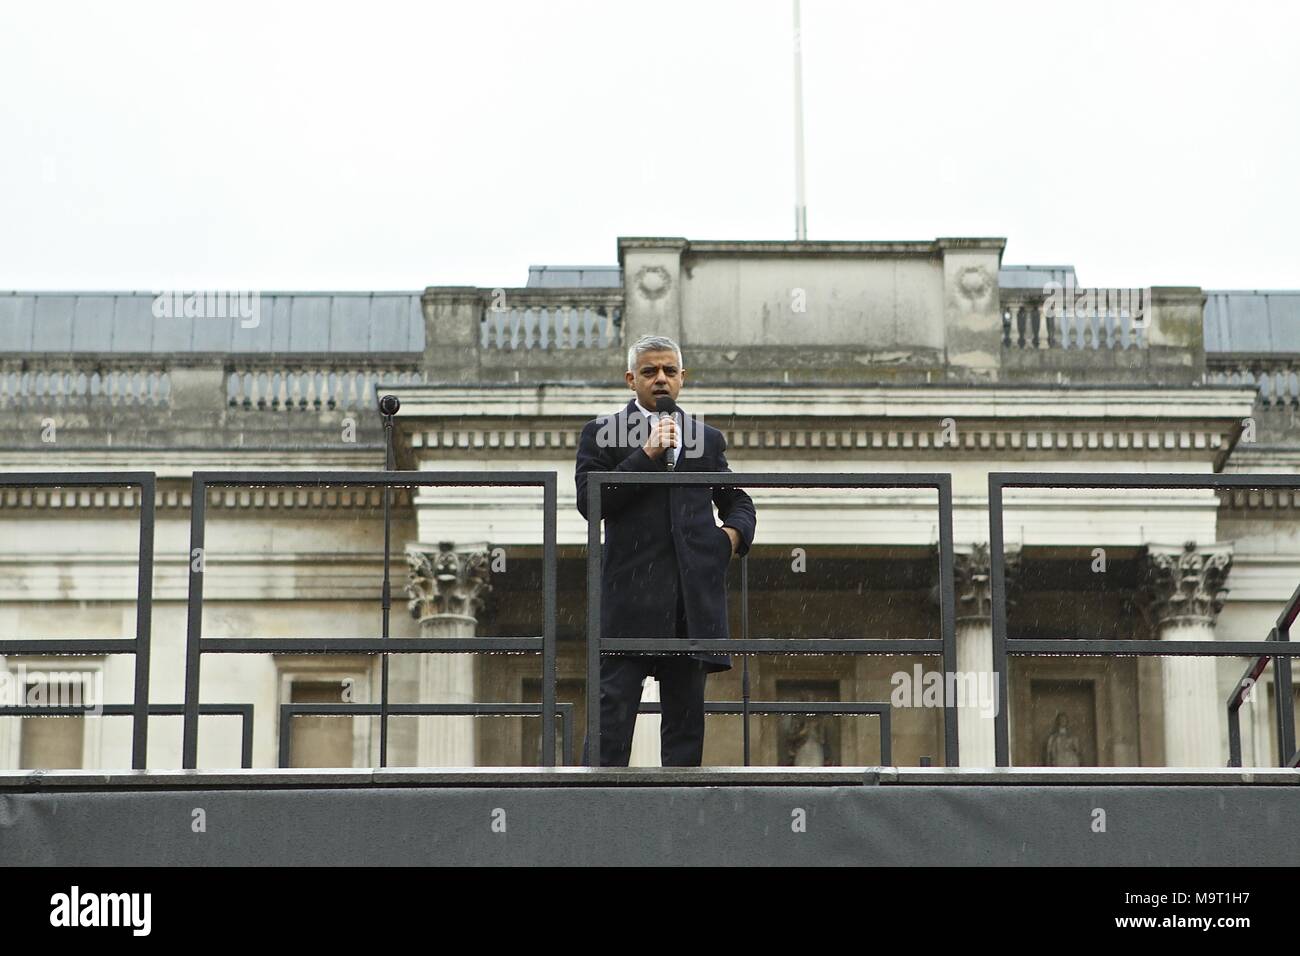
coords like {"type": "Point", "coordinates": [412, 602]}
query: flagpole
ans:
{"type": "Point", "coordinates": [800, 208]}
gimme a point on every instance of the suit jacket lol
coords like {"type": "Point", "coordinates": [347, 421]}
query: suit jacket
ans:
{"type": "Point", "coordinates": [659, 540]}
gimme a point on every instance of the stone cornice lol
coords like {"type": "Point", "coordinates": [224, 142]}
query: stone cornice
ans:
{"type": "Point", "coordinates": [807, 248]}
{"type": "Point", "coordinates": [987, 419]}
{"type": "Point", "coordinates": [1255, 458]}
{"type": "Point", "coordinates": [369, 500]}
{"type": "Point", "coordinates": [171, 463]}
{"type": "Point", "coordinates": [1248, 459]}
{"type": "Point", "coordinates": [174, 470]}
{"type": "Point", "coordinates": [1263, 499]}
{"type": "Point", "coordinates": [1045, 437]}
{"type": "Point", "coordinates": [776, 402]}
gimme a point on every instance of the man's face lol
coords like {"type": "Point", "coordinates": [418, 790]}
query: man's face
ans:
{"type": "Point", "coordinates": [656, 374]}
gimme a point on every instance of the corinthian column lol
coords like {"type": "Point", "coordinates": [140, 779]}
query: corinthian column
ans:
{"type": "Point", "coordinates": [1183, 593]}
{"type": "Point", "coordinates": [447, 590]}
{"type": "Point", "coordinates": [972, 583]}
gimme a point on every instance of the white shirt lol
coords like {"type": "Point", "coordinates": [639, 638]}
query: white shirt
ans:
{"type": "Point", "coordinates": [654, 415]}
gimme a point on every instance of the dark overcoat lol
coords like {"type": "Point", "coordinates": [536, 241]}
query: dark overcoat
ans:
{"type": "Point", "coordinates": [662, 540]}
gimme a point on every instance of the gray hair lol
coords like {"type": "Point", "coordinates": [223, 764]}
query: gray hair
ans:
{"type": "Point", "coordinates": [652, 343]}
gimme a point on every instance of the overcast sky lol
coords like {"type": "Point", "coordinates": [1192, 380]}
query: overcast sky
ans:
{"type": "Point", "coordinates": [391, 146]}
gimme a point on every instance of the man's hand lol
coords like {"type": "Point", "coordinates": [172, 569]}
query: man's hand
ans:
{"type": "Point", "coordinates": [734, 535]}
{"type": "Point", "coordinates": [663, 434]}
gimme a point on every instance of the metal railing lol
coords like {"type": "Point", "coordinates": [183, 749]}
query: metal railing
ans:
{"type": "Point", "coordinates": [289, 711]}
{"type": "Point", "coordinates": [1003, 648]}
{"type": "Point", "coordinates": [1284, 711]}
{"type": "Point", "coordinates": [874, 708]}
{"type": "Point", "coordinates": [140, 644]}
{"type": "Point", "coordinates": [197, 645]}
{"type": "Point", "coordinates": [1277, 648]}
{"type": "Point", "coordinates": [945, 645]}
{"type": "Point", "coordinates": [242, 711]}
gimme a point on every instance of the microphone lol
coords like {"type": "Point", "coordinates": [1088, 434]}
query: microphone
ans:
{"type": "Point", "coordinates": [666, 407]}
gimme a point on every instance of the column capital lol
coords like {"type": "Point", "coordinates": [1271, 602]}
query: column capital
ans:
{"type": "Point", "coordinates": [973, 580]}
{"type": "Point", "coordinates": [1184, 585]}
{"type": "Point", "coordinates": [451, 582]}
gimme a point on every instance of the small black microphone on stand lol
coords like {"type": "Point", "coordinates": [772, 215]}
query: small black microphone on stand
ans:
{"type": "Point", "coordinates": [666, 408]}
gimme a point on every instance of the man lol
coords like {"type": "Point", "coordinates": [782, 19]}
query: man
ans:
{"type": "Point", "coordinates": [665, 558]}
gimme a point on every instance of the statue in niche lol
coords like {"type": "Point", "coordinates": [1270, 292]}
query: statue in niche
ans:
{"type": "Point", "coordinates": [806, 743]}
{"type": "Point", "coordinates": [1062, 747]}
{"type": "Point", "coordinates": [807, 738]}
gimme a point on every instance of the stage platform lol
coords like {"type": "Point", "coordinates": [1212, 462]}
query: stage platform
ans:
{"type": "Point", "coordinates": [581, 816]}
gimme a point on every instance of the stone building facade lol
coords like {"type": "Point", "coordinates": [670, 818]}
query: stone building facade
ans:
{"type": "Point", "coordinates": [879, 357]}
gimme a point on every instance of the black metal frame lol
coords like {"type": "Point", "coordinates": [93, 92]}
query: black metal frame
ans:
{"type": "Point", "coordinates": [196, 645]}
{"type": "Point", "coordinates": [140, 644]}
{"type": "Point", "coordinates": [1284, 712]}
{"type": "Point", "coordinates": [1004, 648]}
{"type": "Point", "coordinates": [875, 708]}
{"type": "Point", "coordinates": [289, 711]}
{"type": "Point", "coordinates": [945, 645]}
{"type": "Point", "coordinates": [243, 711]}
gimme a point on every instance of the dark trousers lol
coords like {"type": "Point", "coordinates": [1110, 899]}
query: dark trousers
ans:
{"type": "Point", "coordinates": [681, 685]}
